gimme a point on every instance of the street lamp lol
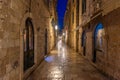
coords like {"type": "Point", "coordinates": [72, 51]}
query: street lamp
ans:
{"type": "Point", "coordinates": [56, 27]}
{"type": "Point", "coordinates": [64, 34]}
{"type": "Point", "coordinates": [56, 30]}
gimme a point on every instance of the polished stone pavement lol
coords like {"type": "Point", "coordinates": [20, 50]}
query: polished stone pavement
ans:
{"type": "Point", "coordinates": [65, 64]}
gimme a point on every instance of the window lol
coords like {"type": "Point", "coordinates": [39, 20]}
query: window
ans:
{"type": "Point", "coordinates": [77, 12]}
{"type": "Point", "coordinates": [77, 8]}
{"type": "Point", "coordinates": [83, 6]}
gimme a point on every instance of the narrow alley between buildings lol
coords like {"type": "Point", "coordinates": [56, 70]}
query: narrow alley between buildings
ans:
{"type": "Point", "coordinates": [59, 39]}
{"type": "Point", "coordinates": [65, 64]}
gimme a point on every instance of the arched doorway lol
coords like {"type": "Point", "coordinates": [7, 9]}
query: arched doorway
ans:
{"type": "Point", "coordinates": [28, 41]}
{"type": "Point", "coordinates": [98, 40]}
{"type": "Point", "coordinates": [84, 42]}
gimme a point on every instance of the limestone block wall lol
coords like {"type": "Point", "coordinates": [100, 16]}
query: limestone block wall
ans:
{"type": "Point", "coordinates": [72, 26]}
{"type": "Point", "coordinates": [13, 14]}
{"type": "Point", "coordinates": [108, 60]}
{"type": "Point", "coordinates": [41, 19]}
{"type": "Point", "coordinates": [89, 45]}
{"type": "Point", "coordinates": [10, 17]}
{"type": "Point", "coordinates": [109, 5]}
{"type": "Point", "coordinates": [112, 21]}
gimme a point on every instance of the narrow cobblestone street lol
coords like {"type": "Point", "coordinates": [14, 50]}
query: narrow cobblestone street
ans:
{"type": "Point", "coordinates": [65, 64]}
{"type": "Point", "coordinates": [59, 39]}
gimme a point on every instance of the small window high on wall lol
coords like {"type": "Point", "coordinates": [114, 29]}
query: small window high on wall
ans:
{"type": "Point", "coordinates": [83, 6]}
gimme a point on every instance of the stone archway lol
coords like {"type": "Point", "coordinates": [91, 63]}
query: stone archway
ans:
{"type": "Point", "coordinates": [28, 44]}
{"type": "Point", "coordinates": [22, 28]}
{"type": "Point", "coordinates": [97, 40]}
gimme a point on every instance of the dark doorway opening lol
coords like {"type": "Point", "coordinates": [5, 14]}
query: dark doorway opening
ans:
{"type": "Point", "coordinates": [97, 41]}
{"type": "Point", "coordinates": [84, 42]}
{"type": "Point", "coordinates": [46, 36]}
{"type": "Point", "coordinates": [28, 42]}
{"type": "Point", "coordinates": [77, 40]}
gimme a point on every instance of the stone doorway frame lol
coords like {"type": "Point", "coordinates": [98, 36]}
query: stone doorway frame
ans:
{"type": "Point", "coordinates": [23, 74]}
{"type": "Point", "coordinates": [29, 35]}
{"type": "Point", "coordinates": [94, 41]}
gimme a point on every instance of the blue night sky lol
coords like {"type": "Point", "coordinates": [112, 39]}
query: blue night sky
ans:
{"type": "Point", "coordinates": [61, 8]}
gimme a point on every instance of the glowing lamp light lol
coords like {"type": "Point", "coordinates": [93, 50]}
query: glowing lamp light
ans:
{"type": "Point", "coordinates": [56, 27]}
{"type": "Point", "coordinates": [63, 34]}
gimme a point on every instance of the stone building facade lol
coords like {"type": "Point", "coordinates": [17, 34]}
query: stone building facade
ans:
{"type": "Point", "coordinates": [98, 32]}
{"type": "Point", "coordinates": [70, 22]}
{"type": "Point", "coordinates": [26, 33]}
{"type": "Point", "coordinates": [102, 35]}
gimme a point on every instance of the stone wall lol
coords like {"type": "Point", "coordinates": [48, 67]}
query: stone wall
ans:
{"type": "Point", "coordinates": [10, 17]}
{"type": "Point", "coordinates": [13, 14]}
{"type": "Point", "coordinates": [109, 5]}
{"type": "Point", "coordinates": [72, 24]}
{"type": "Point", "coordinates": [106, 13]}
{"type": "Point", "coordinates": [108, 60]}
{"type": "Point", "coordinates": [112, 23]}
